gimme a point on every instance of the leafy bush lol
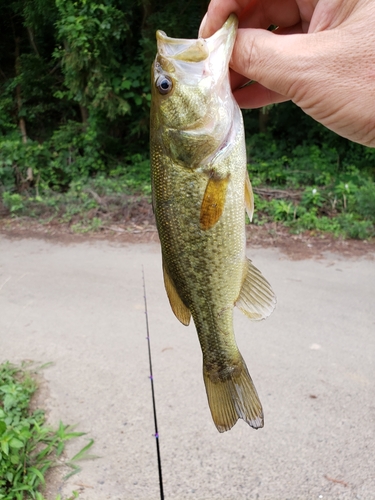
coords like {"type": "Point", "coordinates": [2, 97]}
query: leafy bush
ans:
{"type": "Point", "coordinates": [281, 210]}
{"type": "Point", "coordinates": [74, 155]}
{"type": "Point", "coordinates": [21, 164]}
{"type": "Point", "coordinates": [28, 448]}
{"type": "Point", "coordinates": [313, 197]}
{"type": "Point", "coordinates": [333, 198]}
{"type": "Point", "coordinates": [356, 229]}
{"type": "Point", "coordinates": [365, 199]}
{"type": "Point", "coordinates": [14, 202]}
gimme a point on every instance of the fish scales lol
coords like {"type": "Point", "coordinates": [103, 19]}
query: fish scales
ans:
{"type": "Point", "coordinates": [199, 182]}
{"type": "Point", "coordinates": [198, 275]}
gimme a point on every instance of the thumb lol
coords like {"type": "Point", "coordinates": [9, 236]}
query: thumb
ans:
{"type": "Point", "coordinates": [328, 73]}
{"type": "Point", "coordinates": [280, 63]}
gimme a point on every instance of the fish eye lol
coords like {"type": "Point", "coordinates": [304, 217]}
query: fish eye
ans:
{"type": "Point", "coordinates": [164, 84]}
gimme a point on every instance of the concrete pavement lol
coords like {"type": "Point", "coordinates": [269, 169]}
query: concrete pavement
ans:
{"type": "Point", "coordinates": [81, 307]}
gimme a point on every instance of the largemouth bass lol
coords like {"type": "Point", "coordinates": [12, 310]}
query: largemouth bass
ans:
{"type": "Point", "coordinates": [200, 191]}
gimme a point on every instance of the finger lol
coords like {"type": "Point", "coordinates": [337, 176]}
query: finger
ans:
{"type": "Point", "coordinates": [256, 14]}
{"type": "Point", "coordinates": [218, 12]}
{"type": "Point", "coordinates": [257, 96]}
{"type": "Point", "coordinates": [236, 80]}
{"type": "Point", "coordinates": [263, 14]}
{"type": "Point", "coordinates": [291, 30]}
{"type": "Point", "coordinates": [284, 14]}
{"type": "Point", "coordinates": [275, 61]}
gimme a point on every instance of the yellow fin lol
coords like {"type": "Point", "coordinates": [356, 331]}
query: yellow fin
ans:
{"type": "Point", "coordinates": [181, 312]}
{"type": "Point", "coordinates": [233, 396]}
{"type": "Point", "coordinates": [249, 197]}
{"type": "Point", "coordinates": [213, 202]}
{"type": "Point", "coordinates": [257, 299]}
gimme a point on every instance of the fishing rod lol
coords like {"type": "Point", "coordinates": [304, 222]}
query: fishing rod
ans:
{"type": "Point", "coordinates": [153, 391]}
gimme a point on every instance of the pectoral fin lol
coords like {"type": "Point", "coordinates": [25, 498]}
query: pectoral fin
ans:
{"type": "Point", "coordinates": [249, 197]}
{"type": "Point", "coordinates": [181, 312]}
{"type": "Point", "coordinates": [213, 202]}
{"type": "Point", "coordinates": [256, 298]}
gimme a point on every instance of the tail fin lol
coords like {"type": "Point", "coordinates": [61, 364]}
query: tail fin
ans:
{"type": "Point", "coordinates": [233, 396]}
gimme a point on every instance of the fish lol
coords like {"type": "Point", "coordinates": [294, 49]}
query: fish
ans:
{"type": "Point", "coordinates": [200, 191]}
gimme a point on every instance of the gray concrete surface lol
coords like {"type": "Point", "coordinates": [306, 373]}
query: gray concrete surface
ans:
{"type": "Point", "coordinates": [80, 306]}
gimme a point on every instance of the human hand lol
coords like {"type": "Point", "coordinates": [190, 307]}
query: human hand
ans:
{"type": "Point", "coordinates": [324, 61]}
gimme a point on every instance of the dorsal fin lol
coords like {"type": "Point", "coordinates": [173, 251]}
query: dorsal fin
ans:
{"type": "Point", "coordinates": [256, 298]}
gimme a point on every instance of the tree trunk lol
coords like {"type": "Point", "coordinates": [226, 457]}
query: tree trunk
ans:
{"type": "Point", "coordinates": [84, 114]}
{"type": "Point", "coordinates": [30, 32]}
{"type": "Point", "coordinates": [22, 122]}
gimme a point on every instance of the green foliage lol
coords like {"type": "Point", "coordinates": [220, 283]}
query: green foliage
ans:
{"type": "Point", "coordinates": [74, 154]}
{"type": "Point", "coordinates": [6, 107]}
{"type": "Point", "coordinates": [312, 197]}
{"type": "Point", "coordinates": [135, 174]}
{"type": "Point", "coordinates": [354, 228]}
{"type": "Point", "coordinates": [14, 202]}
{"type": "Point", "coordinates": [20, 163]}
{"type": "Point", "coordinates": [28, 448]}
{"type": "Point", "coordinates": [335, 198]}
{"type": "Point", "coordinates": [274, 164]}
{"type": "Point", "coordinates": [75, 60]}
{"type": "Point", "coordinates": [281, 210]}
{"type": "Point", "coordinates": [365, 201]}
{"type": "Point", "coordinates": [91, 34]}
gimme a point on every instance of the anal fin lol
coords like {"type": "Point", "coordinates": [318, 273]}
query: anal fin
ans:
{"type": "Point", "coordinates": [257, 299]}
{"type": "Point", "coordinates": [232, 397]}
{"type": "Point", "coordinates": [181, 312]}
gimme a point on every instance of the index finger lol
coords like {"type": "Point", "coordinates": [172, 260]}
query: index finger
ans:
{"type": "Point", "coordinates": [218, 12]}
{"type": "Point", "coordinates": [257, 14]}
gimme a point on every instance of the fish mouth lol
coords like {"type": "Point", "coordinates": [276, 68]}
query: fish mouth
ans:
{"type": "Point", "coordinates": [199, 67]}
{"type": "Point", "coordinates": [217, 48]}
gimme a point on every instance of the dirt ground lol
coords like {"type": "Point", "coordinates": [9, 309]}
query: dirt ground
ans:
{"type": "Point", "coordinates": [137, 225]}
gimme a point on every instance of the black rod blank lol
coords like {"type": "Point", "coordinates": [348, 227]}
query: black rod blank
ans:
{"type": "Point", "coordinates": [153, 392]}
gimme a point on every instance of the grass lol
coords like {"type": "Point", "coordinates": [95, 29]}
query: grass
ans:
{"type": "Point", "coordinates": [88, 206]}
{"type": "Point", "coordinates": [29, 448]}
{"type": "Point", "coordinates": [345, 210]}
{"type": "Point", "coordinates": [299, 212]}
{"type": "Point", "coordinates": [86, 194]}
